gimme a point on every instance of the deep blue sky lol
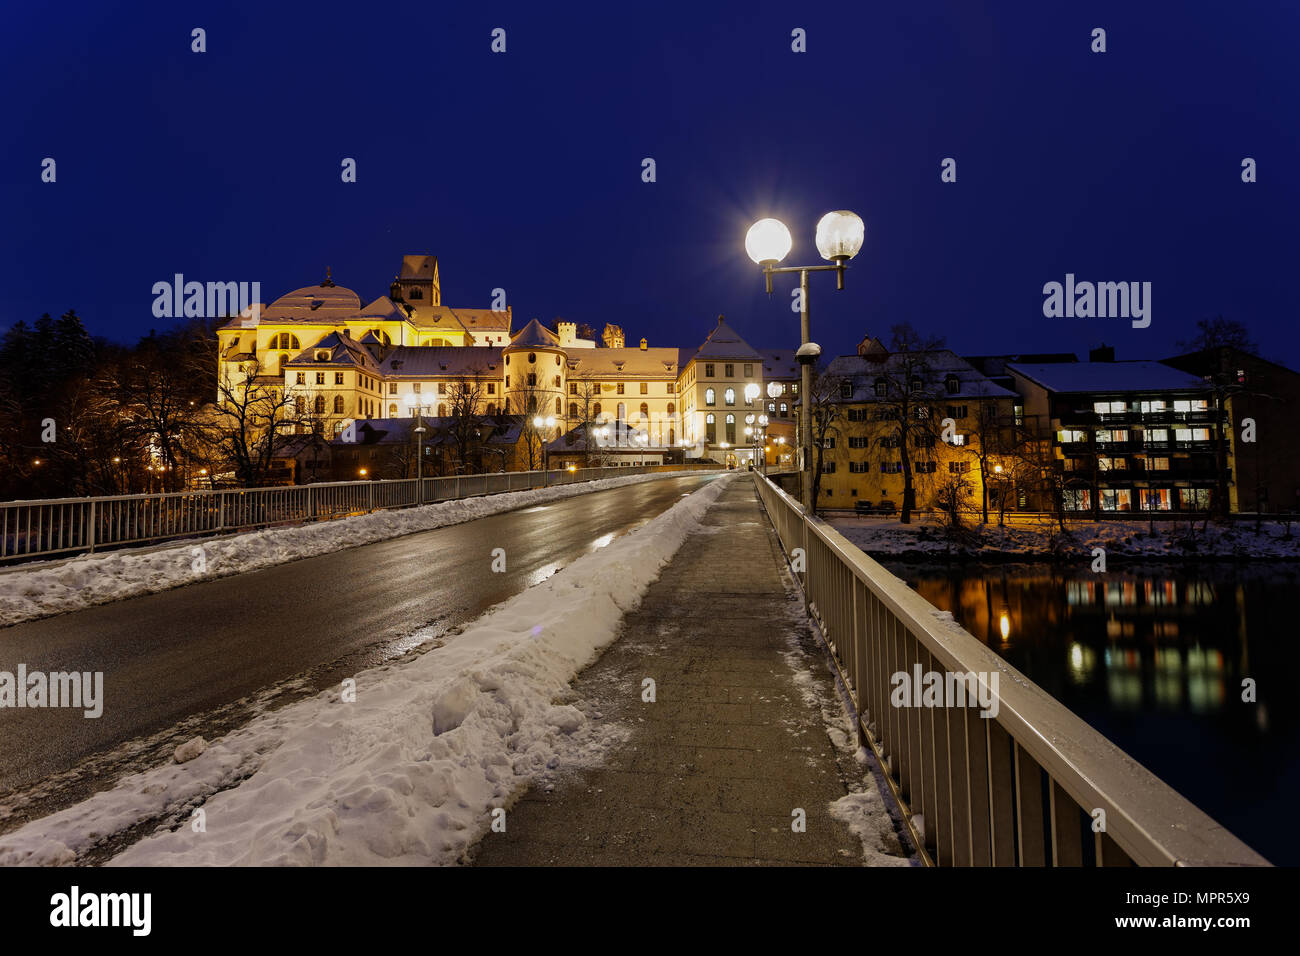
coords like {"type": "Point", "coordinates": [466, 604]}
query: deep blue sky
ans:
{"type": "Point", "coordinates": [523, 170]}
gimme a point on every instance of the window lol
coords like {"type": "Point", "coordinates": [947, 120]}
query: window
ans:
{"type": "Point", "coordinates": [319, 404]}
{"type": "Point", "coordinates": [828, 468]}
{"type": "Point", "coordinates": [1018, 411]}
{"type": "Point", "coordinates": [300, 405]}
{"type": "Point", "coordinates": [645, 388]}
{"type": "Point", "coordinates": [532, 358]}
{"type": "Point", "coordinates": [749, 371]}
{"type": "Point", "coordinates": [573, 388]}
{"type": "Point", "coordinates": [880, 388]}
{"type": "Point", "coordinates": [958, 467]}
{"type": "Point", "coordinates": [708, 371]}
{"type": "Point", "coordinates": [491, 408]}
{"type": "Point", "coordinates": [784, 410]}
{"type": "Point", "coordinates": [857, 442]}
{"type": "Point", "coordinates": [645, 410]}
{"type": "Point", "coordinates": [442, 409]}
{"type": "Point", "coordinates": [285, 341]}
{"type": "Point", "coordinates": [621, 412]}
{"type": "Point", "coordinates": [416, 388]}
{"type": "Point", "coordinates": [952, 384]}
{"type": "Point", "coordinates": [710, 398]}
{"type": "Point", "coordinates": [492, 388]}
{"type": "Point", "coordinates": [846, 389]}
{"type": "Point", "coordinates": [1158, 464]}
{"type": "Point", "coordinates": [619, 388]}
{"type": "Point", "coordinates": [557, 381]}
{"type": "Point", "coordinates": [956, 411]}
{"type": "Point", "coordinates": [507, 381]}
{"type": "Point", "coordinates": [771, 408]}
{"type": "Point", "coordinates": [595, 410]}
{"type": "Point", "coordinates": [557, 406]}
{"type": "Point", "coordinates": [891, 467]}
{"type": "Point", "coordinates": [338, 404]}
{"type": "Point", "coordinates": [1109, 408]}
{"type": "Point", "coordinates": [320, 378]}
{"type": "Point", "coordinates": [338, 378]}
{"type": "Point", "coordinates": [959, 439]}
{"type": "Point", "coordinates": [827, 442]}
{"type": "Point", "coordinates": [729, 371]}
{"type": "Point", "coordinates": [924, 467]}
{"type": "Point", "coordinates": [392, 411]}
{"type": "Point", "coordinates": [573, 409]}
{"type": "Point", "coordinates": [731, 429]}
{"type": "Point", "coordinates": [858, 468]}
{"type": "Point", "coordinates": [710, 429]}
{"type": "Point", "coordinates": [1158, 405]}
{"type": "Point", "coordinates": [1067, 436]}
{"type": "Point", "coordinates": [302, 378]}
{"type": "Point", "coordinates": [923, 441]}
{"type": "Point", "coordinates": [392, 388]}
{"type": "Point", "coordinates": [672, 408]}
{"type": "Point", "coordinates": [532, 378]}
{"type": "Point", "coordinates": [729, 397]}
{"type": "Point", "coordinates": [915, 386]}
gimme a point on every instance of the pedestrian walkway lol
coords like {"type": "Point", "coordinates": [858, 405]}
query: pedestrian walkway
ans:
{"type": "Point", "coordinates": [743, 731]}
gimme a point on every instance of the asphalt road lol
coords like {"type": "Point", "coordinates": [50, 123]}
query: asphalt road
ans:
{"type": "Point", "coordinates": [192, 660]}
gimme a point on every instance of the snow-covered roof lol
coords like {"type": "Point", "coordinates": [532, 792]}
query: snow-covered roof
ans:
{"type": "Point", "coordinates": [724, 342]}
{"type": "Point", "coordinates": [625, 363]}
{"type": "Point", "coordinates": [344, 351]}
{"type": "Point", "coordinates": [622, 438]}
{"type": "Point", "coordinates": [314, 303]}
{"type": "Point", "coordinates": [1140, 376]}
{"type": "Point", "coordinates": [473, 321]}
{"type": "Point", "coordinates": [933, 366]}
{"type": "Point", "coordinates": [442, 361]}
{"type": "Point", "coordinates": [534, 335]}
{"type": "Point", "coordinates": [419, 267]}
{"type": "Point", "coordinates": [780, 364]}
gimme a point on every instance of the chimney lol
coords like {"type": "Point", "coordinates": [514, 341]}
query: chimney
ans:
{"type": "Point", "coordinates": [1103, 353]}
{"type": "Point", "coordinates": [644, 344]}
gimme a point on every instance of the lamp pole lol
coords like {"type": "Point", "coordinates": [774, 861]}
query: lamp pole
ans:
{"type": "Point", "coordinates": [417, 407]}
{"type": "Point", "coordinates": [839, 238]}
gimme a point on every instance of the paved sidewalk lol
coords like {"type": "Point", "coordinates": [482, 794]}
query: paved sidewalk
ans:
{"type": "Point", "coordinates": [736, 739]}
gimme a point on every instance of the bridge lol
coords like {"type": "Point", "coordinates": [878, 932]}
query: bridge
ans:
{"type": "Point", "coordinates": [744, 709]}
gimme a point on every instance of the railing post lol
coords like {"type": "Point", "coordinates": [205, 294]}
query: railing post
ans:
{"type": "Point", "coordinates": [370, 495]}
{"type": "Point", "coordinates": [90, 534]}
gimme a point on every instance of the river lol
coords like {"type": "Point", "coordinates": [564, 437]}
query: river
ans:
{"type": "Point", "coordinates": [1155, 660]}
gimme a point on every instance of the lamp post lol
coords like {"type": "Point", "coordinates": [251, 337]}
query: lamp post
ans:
{"type": "Point", "coordinates": [839, 238]}
{"type": "Point", "coordinates": [415, 405]}
{"type": "Point", "coordinates": [548, 423]}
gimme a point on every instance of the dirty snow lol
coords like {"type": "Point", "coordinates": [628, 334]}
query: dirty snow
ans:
{"type": "Point", "coordinates": [411, 770]}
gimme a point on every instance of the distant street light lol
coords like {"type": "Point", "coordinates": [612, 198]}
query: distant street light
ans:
{"type": "Point", "coordinates": [415, 404]}
{"type": "Point", "coordinates": [839, 238]}
{"type": "Point", "coordinates": [548, 423]}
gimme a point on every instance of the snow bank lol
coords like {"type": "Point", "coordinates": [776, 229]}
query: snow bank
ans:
{"type": "Point", "coordinates": [43, 590]}
{"type": "Point", "coordinates": [411, 770]}
{"type": "Point", "coordinates": [1041, 539]}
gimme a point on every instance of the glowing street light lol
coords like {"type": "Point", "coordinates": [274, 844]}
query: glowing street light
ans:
{"type": "Point", "coordinates": [839, 238]}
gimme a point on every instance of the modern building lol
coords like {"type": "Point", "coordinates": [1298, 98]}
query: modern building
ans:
{"type": "Point", "coordinates": [1127, 436]}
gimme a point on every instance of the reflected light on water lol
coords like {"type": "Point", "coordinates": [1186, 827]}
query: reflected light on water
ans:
{"type": "Point", "coordinates": [1004, 625]}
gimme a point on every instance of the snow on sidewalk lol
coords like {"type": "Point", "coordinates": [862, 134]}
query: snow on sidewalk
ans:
{"type": "Point", "coordinates": [410, 772]}
{"type": "Point", "coordinates": [43, 590]}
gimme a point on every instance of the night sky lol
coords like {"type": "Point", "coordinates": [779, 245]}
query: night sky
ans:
{"type": "Point", "coordinates": [523, 170]}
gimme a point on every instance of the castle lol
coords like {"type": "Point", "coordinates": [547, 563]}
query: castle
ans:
{"type": "Point", "coordinates": [406, 353]}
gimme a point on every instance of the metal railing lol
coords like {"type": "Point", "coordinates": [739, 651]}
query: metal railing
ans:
{"type": "Point", "coordinates": [1021, 787]}
{"type": "Point", "coordinates": [62, 526]}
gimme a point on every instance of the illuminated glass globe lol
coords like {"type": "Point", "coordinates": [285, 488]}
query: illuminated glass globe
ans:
{"type": "Point", "coordinates": [751, 392]}
{"type": "Point", "coordinates": [840, 235]}
{"type": "Point", "coordinates": [768, 240]}
{"type": "Point", "coordinates": [773, 389]}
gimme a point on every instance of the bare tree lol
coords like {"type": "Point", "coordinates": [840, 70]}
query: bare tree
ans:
{"type": "Point", "coordinates": [251, 413]}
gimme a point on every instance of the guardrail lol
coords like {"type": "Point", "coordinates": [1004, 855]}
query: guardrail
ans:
{"type": "Point", "coordinates": [1021, 787]}
{"type": "Point", "coordinates": [61, 526]}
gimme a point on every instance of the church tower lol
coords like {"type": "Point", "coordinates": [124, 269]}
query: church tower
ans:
{"type": "Point", "coordinates": [418, 283]}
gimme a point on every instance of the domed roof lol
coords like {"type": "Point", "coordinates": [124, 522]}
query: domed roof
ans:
{"type": "Point", "coordinates": [315, 303]}
{"type": "Point", "coordinates": [534, 335]}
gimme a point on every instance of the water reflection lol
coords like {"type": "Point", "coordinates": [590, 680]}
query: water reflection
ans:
{"type": "Point", "coordinates": [1156, 661]}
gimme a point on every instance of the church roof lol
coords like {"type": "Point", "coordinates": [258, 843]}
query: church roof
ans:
{"type": "Point", "coordinates": [724, 342]}
{"type": "Point", "coordinates": [534, 335]}
{"type": "Point", "coordinates": [780, 364]}
{"type": "Point", "coordinates": [313, 303]}
{"type": "Point", "coordinates": [419, 267]}
{"type": "Point", "coordinates": [473, 321]}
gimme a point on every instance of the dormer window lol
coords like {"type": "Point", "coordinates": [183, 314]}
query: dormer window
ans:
{"type": "Point", "coordinates": [323, 355]}
{"type": "Point", "coordinates": [846, 389]}
{"type": "Point", "coordinates": [880, 387]}
{"type": "Point", "coordinates": [952, 384]}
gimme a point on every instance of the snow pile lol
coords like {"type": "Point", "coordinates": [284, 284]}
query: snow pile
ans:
{"type": "Point", "coordinates": [1040, 538]}
{"type": "Point", "coordinates": [868, 819]}
{"type": "Point", "coordinates": [43, 590]}
{"type": "Point", "coordinates": [411, 770]}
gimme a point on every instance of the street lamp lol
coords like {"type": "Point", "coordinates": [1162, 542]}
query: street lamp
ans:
{"type": "Point", "coordinates": [839, 238]}
{"type": "Point", "coordinates": [414, 404]}
{"type": "Point", "coordinates": [548, 423]}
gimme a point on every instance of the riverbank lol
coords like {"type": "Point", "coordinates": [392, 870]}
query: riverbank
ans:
{"type": "Point", "coordinates": [1038, 539]}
